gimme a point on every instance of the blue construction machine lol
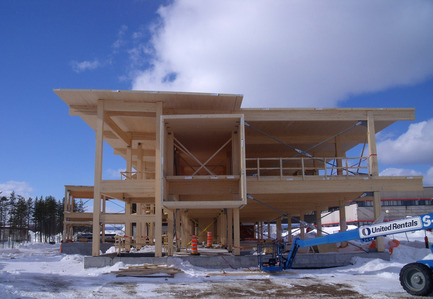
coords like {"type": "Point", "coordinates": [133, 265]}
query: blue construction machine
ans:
{"type": "Point", "coordinates": [416, 278]}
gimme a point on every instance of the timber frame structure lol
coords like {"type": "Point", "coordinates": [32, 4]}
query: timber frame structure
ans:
{"type": "Point", "coordinates": [198, 162]}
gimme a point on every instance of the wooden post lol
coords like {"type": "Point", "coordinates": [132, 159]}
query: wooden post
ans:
{"type": "Point", "coordinates": [224, 228]}
{"type": "Point", "coordinates": [128, 224]}
{"type": "Point", "coordinates": [237, 232]}
{"type": "Point", "coordinates": [98, 178]}
{"type": "Point", "coordinates": [158, 181]}
{"type": "Point", "coordinates": [374, 171]}
{"type": "Point", "coordinates": [140, 164]}
{"type": "Point", "coordinates": [319, 221]}
{"type": "Point", "coordinates": [104, 205]}
{"type": "Point", "coordinates": [128, 162]}
{"type": "Point", "coordinates": [269, 230]}
{"type": "Point", "coordinates": [339, 154]}
{"type": "Point", "coordinates": [184, 234]}
{"type": "Point", "coordinates": [279, 229]}
{"type": "Point", "coordinates": [65, 209]}
{"type": "Point", "coordinates": [230, 230]}
{"type": "Point", "coordinates": [377, 213]}
{"type": "Point", "coordinates": [170, 229]}
{"type": "Point", "coordinates": [343, 223]}
{"type": "Point", "coordinates": [374, 165]}
{"type": "Point", "coordinates": [301, 224]}
{"type": "Point", "coordinates": [289, 228]}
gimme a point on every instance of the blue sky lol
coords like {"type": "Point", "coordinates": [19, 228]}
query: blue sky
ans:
{"type": "Point", "coordinates": [276, 53]}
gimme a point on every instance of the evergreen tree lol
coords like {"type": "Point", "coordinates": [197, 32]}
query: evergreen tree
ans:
{"type": "Point", "coordinates": [59, 216]}
{"type": "Point", "coordinates": [4, 207]}
{"type": "Point", "coordinates": [39, 216]}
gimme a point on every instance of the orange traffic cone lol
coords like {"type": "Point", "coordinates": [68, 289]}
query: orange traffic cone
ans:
{"type": "Point", "coordinates": [209, 240]}
{"type": "Point", "coordinates": [194, 250]}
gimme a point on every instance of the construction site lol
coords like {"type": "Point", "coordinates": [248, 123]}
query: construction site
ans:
{"type": "Point", "coordinates": [200, 169]}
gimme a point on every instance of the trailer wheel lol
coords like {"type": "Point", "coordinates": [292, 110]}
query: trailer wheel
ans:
{"type": "Point", "coordinates": [417, 279]}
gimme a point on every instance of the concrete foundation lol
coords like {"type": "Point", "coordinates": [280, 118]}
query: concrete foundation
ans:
{"type": "Point", "coordinates": [303, 261]}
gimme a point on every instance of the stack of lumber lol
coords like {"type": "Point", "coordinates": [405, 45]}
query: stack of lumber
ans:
{"type": "Point", "coordinates": [148, 271]}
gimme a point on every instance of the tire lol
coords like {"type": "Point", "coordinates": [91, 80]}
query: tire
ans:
{"type": "Point", "coordinates": [417, 279]}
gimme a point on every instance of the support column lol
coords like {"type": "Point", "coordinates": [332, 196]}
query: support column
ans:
{"type": "Point", "coordinates": [224, 228]}
{"type": "Point", "coordinates": [343, 223]}
{"type": "Point", "coordinates": [184, 234]}
{"type": "Point", "coordinates": [380, 245]}
{"type": "Point", "coordinates": [301, 224]}
{"type": "Point", "coordinates": [140, 164]}
{"type": "Point", "coordinates": [289, 228]}
{"type": "Point", "coordinates": [178, 229]}
{"type": "Point", "coordinates": [96, 245]}
{"type": "Point", "coordinates": [279, 229]}
{"type": "Point", "coordinates": [170, 230]}
{"type": "Point", "coordinates": [230, 230]}
{"type": "Point", "coordinates": [374, 165]}
{"type": "Point", "coordinates": [339, 154]}
{"type": "Point", "coordinates": [128, 225]}
{"type": "Point", "coordinates": [319, 221]}
{"type": "Point", "coordinates": [374, 171]}
{"type": "Point", "coordinates": [269, 230]}
{"type": "Point", "coordinates": [65, 209]}
{"type": "Point", "coordinates": [158, 181]}
{"type": "Point", "coordinates": [128, 162]}
{"type": "Point", "coordinates": [237, 232]}
{"type": "Point", "coordinates": [104, 205]}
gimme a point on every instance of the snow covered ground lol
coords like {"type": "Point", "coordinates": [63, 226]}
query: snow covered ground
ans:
{"type": "Point", "coordinates": [40, 271]}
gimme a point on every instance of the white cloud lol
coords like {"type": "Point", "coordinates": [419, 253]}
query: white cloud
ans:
{"type": "Point", "coordinates": [114, 173]}
{"type": "Point", "coordinates": [20, 188]}
{"type": "Point", "coordinates": [400, 172]}
{"type": "Point", "coordinates": [415, 146]}
{"type": "Point", "coordinates": [79, 67]}
{"type": "Point", "coordinates": [427, 177]}
{"type": "Point", "coordinates": [120, 38]}
{"type": "Point", "coordinates": [289, 53]}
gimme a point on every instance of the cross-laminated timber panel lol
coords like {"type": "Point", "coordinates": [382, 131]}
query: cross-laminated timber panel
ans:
{"type": "Point", "coordinates": [128, 188]}
{"type": "Point", "coordinates": [320, 184]}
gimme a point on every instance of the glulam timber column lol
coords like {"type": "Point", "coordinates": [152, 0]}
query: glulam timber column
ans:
{"type": "Point", "coordinates": [223, 227]}
{"type": "Point", "coordinates": [374, 171]}
{"type": "Point", "coordinates": [238, 168]}
{"type": "Point", "coordinates": [128, 224]}
{"type": "Point", "coordinates": [339, 154]}
{"type": "Point", "coordinates": [168, 166]}
{"type": "Point", "coordinates": [237, 232]}
{"type": "Point", "coordinates": [65, 210]}
{"type": "Point", "coordinates": [301, 224]}
{"type": "Point", "coordinates": [343, 222]}
{"type": "Point", "coordinates": [289, 229]}
{"type": "Point", "coordinates": [158, 181]}
{"type": "Point", "coordinates": [230, 230]}
{"type": "Point", "coordinates": [279, 229]}
{"type": "Point", "coordinates": [98, 178]}
{"type": "Point", "coordinates": [319, 221]}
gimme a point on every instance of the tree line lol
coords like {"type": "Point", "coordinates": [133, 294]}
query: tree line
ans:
{"type": "Point", "coordinates": [42, 215]}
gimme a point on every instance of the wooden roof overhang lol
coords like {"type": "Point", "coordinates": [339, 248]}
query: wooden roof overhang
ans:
{"type": "Point", "coordinates": [306, 128]}
{"type": "Point", "coordinates": [131, 117]}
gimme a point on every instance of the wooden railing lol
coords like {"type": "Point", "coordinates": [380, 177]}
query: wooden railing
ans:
{"type": "Point", "coordinates": [305, 166]}
{"type": "Point", "coordinates": [135, 175]}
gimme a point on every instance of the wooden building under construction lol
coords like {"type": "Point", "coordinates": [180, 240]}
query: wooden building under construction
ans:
{"type": "Point", "coordinates": [199, 162]}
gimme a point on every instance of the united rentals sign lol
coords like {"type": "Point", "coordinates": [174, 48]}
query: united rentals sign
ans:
{"type": "Point", "coordinates": [392, 227]}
